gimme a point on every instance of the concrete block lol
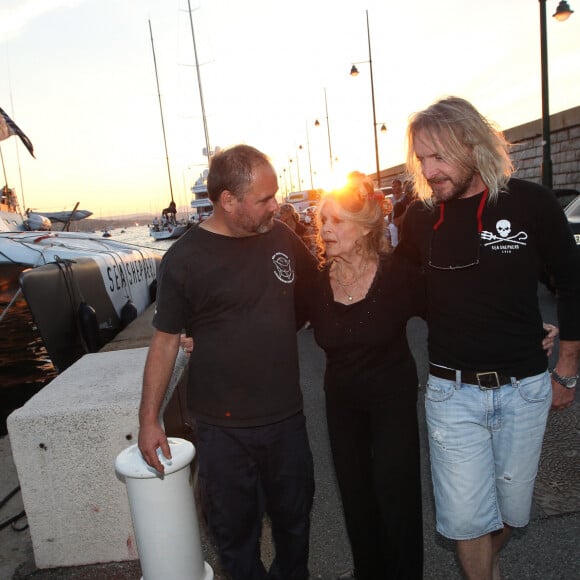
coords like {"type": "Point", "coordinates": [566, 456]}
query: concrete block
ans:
{"type": "Point", "coordinates": [64, 442]}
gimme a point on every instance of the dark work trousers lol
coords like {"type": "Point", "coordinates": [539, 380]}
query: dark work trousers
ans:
{"type": "Point", "coordinates": [244, 472]}
{"type": "Point", "coordinates": [376, 457]}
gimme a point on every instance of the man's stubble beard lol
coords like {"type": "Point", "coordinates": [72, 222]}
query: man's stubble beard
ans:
{"type": "Point", "coordinates": [458, 190]}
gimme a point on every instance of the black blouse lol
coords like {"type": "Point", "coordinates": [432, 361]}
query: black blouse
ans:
{"type": "Point", "coordinates": [368, 357]}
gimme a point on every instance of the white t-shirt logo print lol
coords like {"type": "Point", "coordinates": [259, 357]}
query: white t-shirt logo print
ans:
{"type": "Point", "coordinates": [283, 268]}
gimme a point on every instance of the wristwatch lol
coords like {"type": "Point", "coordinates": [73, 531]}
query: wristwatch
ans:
{"type": "Point", "coordinates": [568, 382]}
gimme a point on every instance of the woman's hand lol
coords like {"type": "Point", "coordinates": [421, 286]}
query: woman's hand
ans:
{"type": "Point", "coordinates": [187, 344]}
{"type": "Point", "coordinates": [548, 342]}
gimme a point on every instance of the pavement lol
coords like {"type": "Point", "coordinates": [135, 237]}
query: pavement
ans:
{"type": "Point", "coordinates": [545, 550]}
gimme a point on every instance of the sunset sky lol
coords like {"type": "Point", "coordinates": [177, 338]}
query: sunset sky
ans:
{"type": "Point", "coordinates": [78, 78]}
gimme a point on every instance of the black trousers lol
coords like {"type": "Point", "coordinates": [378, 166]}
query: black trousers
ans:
{"type": "Point", "coordinates": [246, 472]}
{"type": "Point", "coordinates": [376, 457]}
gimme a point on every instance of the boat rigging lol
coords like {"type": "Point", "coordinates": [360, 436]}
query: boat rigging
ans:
{"type": "Point", "coordinates": [168, 227]}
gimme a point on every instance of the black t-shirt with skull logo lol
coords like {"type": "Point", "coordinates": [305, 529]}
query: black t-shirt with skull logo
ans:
{"type": "Point", "coordinates": [238, 298]}
{"type": "Point", "coordinates": [483, 309]}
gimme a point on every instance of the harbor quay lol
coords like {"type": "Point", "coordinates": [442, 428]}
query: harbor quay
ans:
{"type": "Point", "coordinates": [545, 549]}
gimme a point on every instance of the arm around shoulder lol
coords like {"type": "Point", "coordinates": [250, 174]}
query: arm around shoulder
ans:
{"type": "Point", "coordinates": [158, 369]}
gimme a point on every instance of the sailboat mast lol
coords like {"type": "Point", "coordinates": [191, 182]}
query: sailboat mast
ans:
{"type": "Point", "coordinates": [161, 110]}
{"type": "Point", "coordinates": [206, 133]}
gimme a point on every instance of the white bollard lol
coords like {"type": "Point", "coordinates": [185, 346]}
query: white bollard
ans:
{"type": "Point", "coordinates": [164, 514]}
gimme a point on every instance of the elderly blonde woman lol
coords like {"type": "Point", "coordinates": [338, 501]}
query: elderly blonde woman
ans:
{"type": "Point", "coordinates": [361, 305]}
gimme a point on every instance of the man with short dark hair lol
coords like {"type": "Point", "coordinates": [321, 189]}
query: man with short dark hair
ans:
{"type": "Point", "coordinates": [235, 284]}
{"type": "Point", "coordinates": [480, 236]}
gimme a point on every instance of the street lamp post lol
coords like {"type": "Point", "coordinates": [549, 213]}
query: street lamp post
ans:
{"type": "Point", "coordinates": [309, 156]}
{"type": "Point", "coordinates": [290, 161]}
{"type": "Point", "coordinates": [562, 13]}
{"type": "Point", "coordinates": [354, 72]}
{"type": "Point", "coordinates": [285, 181]}
{"type": "Point", "coordinates": [298, 168]}
{"type": "Point", "coordinates": [317, 124]}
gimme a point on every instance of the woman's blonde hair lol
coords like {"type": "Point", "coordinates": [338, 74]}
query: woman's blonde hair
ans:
{"type": "Point", "coordinates": [463, 137]}
{"type": "Point", "coordinates": [359, 204]}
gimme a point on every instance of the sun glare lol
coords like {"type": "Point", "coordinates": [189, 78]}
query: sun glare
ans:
{"type": "Point", "coordinates": [336, 179]}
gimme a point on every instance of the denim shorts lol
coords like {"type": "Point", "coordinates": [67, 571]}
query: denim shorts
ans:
{"type": "Point", "coordinates": [485, 448]}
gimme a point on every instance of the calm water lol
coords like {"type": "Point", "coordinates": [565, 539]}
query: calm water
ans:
{"type": "Point", "coordinates": [24, 363]}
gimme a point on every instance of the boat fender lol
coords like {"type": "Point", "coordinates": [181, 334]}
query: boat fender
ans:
{"type": "Point", "coordinates": [128, 313]}
{"type": "Point", "coordinates": [89, 327]}
{"type": "Point", "coordinates": [153, 291]}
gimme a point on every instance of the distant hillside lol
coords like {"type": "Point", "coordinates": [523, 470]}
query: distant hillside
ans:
{"type": "Point", "coordinates": [130, 218]}
{"type": "Point", "coordinates": [124, 221]}
{"type": "Point", "coordinates": [90, 225]}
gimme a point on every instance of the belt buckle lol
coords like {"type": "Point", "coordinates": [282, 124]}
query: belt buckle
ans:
{"type": "Point", "coordinates": [488, 380]}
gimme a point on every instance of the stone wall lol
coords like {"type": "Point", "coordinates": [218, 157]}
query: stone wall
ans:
{"type": "Point", "coordinates": [526, 151]}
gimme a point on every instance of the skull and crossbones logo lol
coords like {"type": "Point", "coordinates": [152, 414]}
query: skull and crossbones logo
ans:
{"type": "Point", "coordinates": [504, 229]}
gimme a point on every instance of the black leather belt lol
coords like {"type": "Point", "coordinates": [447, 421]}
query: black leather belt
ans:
{"type": "Point", "coordinates": [484, 380]}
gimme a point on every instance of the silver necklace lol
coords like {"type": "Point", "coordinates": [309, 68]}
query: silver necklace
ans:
{"type": "Point", "coordinates": [345, 285]}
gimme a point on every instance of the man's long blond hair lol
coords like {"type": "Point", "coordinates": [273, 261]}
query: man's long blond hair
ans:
{"type": "Point", "coordinates": [463, 137]}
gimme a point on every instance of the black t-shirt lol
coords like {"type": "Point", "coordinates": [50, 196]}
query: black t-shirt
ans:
{"type": "Point", "coordinates": [368, 357]}
{"type": "Point", "coordinates": [486, 316]}
{"type": "Point", "coordinates": [236, 298]}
